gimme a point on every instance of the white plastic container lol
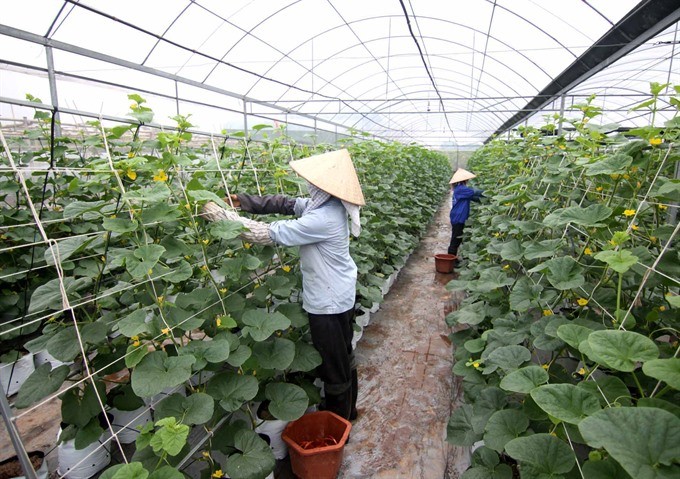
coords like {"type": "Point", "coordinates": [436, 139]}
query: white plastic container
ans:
{"type": "Point", "coordinates": [126, 424]}
{"type": "Point", "coordinates": [273, 428]}
{"type": "Point", "coordinates": [83, 463]}
{"type": "Point", "coordinates": [13, 375]}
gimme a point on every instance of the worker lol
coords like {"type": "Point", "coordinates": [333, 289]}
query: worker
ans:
{"type": "Point", "coordinates": [329, 274]}
{"type": "Point", "coordinates": [460, 208]}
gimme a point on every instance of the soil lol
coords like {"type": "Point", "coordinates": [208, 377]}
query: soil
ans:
{"type": "Point", "coordinates": [12, 468]}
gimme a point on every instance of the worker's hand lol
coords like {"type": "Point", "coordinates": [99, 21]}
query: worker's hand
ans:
{"type": "Point", "coordinates": [233, 201]}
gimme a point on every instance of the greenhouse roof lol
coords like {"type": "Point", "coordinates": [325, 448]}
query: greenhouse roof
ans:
{"type": "Point", "coordinates": [443, 74]}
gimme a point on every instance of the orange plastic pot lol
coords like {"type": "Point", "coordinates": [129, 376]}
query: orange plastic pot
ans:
{"type": "Point", "coordinates": [321, 462]}
{"type": "Point", "coordinates": [443, 263]}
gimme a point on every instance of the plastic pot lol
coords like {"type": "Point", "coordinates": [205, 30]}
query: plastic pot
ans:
{"type": "Point", "coordinates": [13, 375]}
{"type": "Point", "coordinates": [128, 423]}
{"type": "Point", "coordinates": [443, 262]}
{"type": "Point", "coordinates": [309, 461]}
{"type": "Point", "coordinates": [11, 468]}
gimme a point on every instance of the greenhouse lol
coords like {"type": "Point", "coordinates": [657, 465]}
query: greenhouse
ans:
{"type": "Point", "coordinates": [318, 238]}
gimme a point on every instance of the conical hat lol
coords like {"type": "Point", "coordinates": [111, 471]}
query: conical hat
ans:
{"type": "Point", "coordinates": [462, 175]}
{"type": "Point", "coordinates": [334, 173]}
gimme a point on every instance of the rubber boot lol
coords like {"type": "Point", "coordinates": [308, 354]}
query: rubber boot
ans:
{"type": "Point", "coordinates": [353, 414]}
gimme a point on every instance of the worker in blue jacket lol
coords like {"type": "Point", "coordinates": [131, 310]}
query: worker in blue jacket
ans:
{"type": "Point", "coordinates": [321, 229]}
{"type": "Point", "coordinates": [460, 208]}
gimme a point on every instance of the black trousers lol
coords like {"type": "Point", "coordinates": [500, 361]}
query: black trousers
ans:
{"type": "Point", "coordinates": [332, 337]}
{"type": "Point", "coordinates": [456, 237]}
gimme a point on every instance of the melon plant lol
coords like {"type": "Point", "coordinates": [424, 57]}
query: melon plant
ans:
{"type": "Point", "coordinates": [108, 267]}
{"type": "Point", "coordinates": [567, 340]}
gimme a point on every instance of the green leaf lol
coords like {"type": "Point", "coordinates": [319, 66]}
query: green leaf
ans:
{"type": "Point", "coordinates": [307, 358]}
{"type": "Point", "coordinates": [157, 372]}
{"type": "Point", "coordinates": [120, 225]}
{"type": "Point", "coordinates": [525, 379]}
{"type": "Point", "coordinates": [609, 390]}
{"type": "Point", "coordinates": [621, 350]}
{"type": "Point", "coordinates": [158, 193]}
{"type": "Point", "coordinates": [190, 410]}
{"type": "Point", "coordinates": [134, 324]}
{"type": "Point", "coordinates": [226, 229]}
{"type": "Point", "coordinates": [645, 441]}
{"type": "Point", "coordinates": [48, 296]}
{"type": "Point", "coordinates": [255, 458]}
{"type": "Point", "coordinates": [204, 195]}
{"type": "Point", "coordinates": [564, 273]}
{"type": "Point", "coordinates": [506, 358]}
{"type": "Point", "coordinates": [566, 402]}
{"type": "Point", "coordinates": [460, 430]}
{"type": "Point", "coordinates": [294, 312]}
{"type": "Point", "coordinates": [277, 353]}
{"type": "Point", "coordinates": [132, 470]}
{"type": "Point", "coordinates": [171, 437]}
{"type": "Point", "coordinates": [473, 314]}
{"type": "Point", "coordinates": [512, 251]}
{"type": "Point", "coordinates": [79, 407]}
{"type": "Point", "coordinates": [232, 390]}
{"type": "Point", "coordinates": [666, 370]}
{"type": "Point", "coordinates": [41, 383]}
{"type": "Point", "coordinates": [64, 345]}
{"type": "Point", "coordinates": [215, 351]}
{"type": "Point", "coordinates": [288, 402]}
{"type": "Point", "coordinates": [620, 261]}
{"type": "Point", "coordinates": [544, 453]}
{"type": "Point", "coordinates": [604, 469]}
{"type": "Point", "coordinates": [592, 215]}
{"type": "Point", "coordinates": [88, 434]}
{"type": "Point", "coordinates": [540, 249]}
{"type": "Point", "coordinates": [617, 163]}
{"type": "Point", "coordinates": [504, 426]}
{"type": "Point", "coordinates": [143, 260]}
{"type": "Point", "coordinates": [573, 334]}
{"type": "Point", "coordinates": [260, 324]}
{"type": "Point", "coordinates": [94, 333]}
{"type": "Point", "coordinates": [166, 472]}
{"type": "Point", "coordinates": [65, 248]}
{"type": "Point", "coordinates": [524, 294]}
{"type": "Point", "coordinates": [89, 209]}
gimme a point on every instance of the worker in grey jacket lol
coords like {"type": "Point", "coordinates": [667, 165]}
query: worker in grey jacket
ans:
{"type": "Point", "coordinates": [329, 274]}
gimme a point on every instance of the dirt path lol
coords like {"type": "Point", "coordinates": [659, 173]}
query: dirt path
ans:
{"type": "Point", "coordinates": [406, 388]}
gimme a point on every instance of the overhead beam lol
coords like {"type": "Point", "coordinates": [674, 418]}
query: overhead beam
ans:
{"type": "Point", "coordinates": [644, 21]}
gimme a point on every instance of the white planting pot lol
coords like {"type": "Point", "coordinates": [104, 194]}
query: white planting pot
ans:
{"type": "Point", "coordinates": [363, 319]}
{"type": "Point", "coordinates": [41, 473]}
{"type": "Point", "coordinates": [126, 424]}
{"type": "Point", "coordinates": [273, 429]}
{"type": "Point", "coordinates": [83, 463]}
{"type": "Point", "coordinates": [13, 375]}
{"type": "Point", "coordinates": [42, 357]}
{"type": "Point", "coordinates": [374, 308]}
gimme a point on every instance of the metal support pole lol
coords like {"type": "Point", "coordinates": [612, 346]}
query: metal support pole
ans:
{"type": "Point", "coordinates": [29, 472]}
{"type": "Point", "coordinates": [559, 128]}
{"type": "Point", "coordinates": [53, 89]}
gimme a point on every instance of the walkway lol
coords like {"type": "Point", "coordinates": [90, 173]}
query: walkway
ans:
{"type": "Point", "coordinates": [406, 388]}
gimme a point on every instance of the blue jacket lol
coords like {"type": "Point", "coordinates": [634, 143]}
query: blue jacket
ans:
{"type": "Point", "coordinates": [460, 208]}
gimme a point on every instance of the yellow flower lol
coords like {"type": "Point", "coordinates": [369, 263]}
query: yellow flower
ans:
{"type": "Point", "coordinates": [662, 308]}
{"type": "Point", "coordinates": [149, 272]}
{"type": "Point", "coordinates": [103, 258]}
{"type": "Point", "coordinates": [496, 234]}
{"type": "Point", "coordinates": [562, 147]}
{"type": "Point", "coordinates": [545, 366]}
{"type": "Point", "coordinates": [206, 241]}
{"type": "Point", "coordinates": [285, 268]}
{"type": "Point", "coordinates": [614, 176]}
{"type": "Point", "coordinates": [475, 364]}
{"type": "Point", "coordinates": [218, 473]}
{"type": "Point", "coordinates": [206, 454]}
{"type": "Point", "coordinates": [626, 176]}
{"type": "Point", "coordinates": [131, 155]}
{"type": "Point", "coordinates": [634, 227]}
{"type": "Point", "coordinates": [633, 169]}
{"type": "Point", "coordinates": [639, 184]}
{"type": "Point", "coordinates": [247, 245]}
{"type": "Point", "coordinates": [133, 106]}
{"type": "Point", "coordinates": [547, 312]}
{"type": "Point", "coordinates": [188, 206]}
{"type": "Point", "coordinates": [160, 299]}
{"type": "Point", "coordinates": [135, 338]}
{"type": "Point", "coordinates": [218, 322]}
{"type": "Point", "coordinates": [656, 141]}
{"type": "Point", "coordinates": [135, 343]}
{"type": "Point", "coordinates": [582, 301]}
{"type": "Point", "coordinates": [652, 239]}
{"type": "Point", "coordinates": [663, 207]}
{"type": "Point", "coordinates": [223, 290]}
{"type": "Point", "coordinates": [165, 330]}
{"type": "Point", "coordinates": [254, 373]}
{"type": "Point", "coordinates": [160, 176]}
{"type": "Point", "coordinates": [588, 251]}
{"type": "Point", "coordinates": [582, 372]}
{"type": "Point", "coordinates": [628, 213]}
{"type": "Point", "coordinates": [204, 267]}
{"type": "Point", "coordinates": [599, 188]}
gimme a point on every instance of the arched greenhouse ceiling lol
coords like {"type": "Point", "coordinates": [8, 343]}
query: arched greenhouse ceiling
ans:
{"type": "Point", "coordinates": [443, 73]}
